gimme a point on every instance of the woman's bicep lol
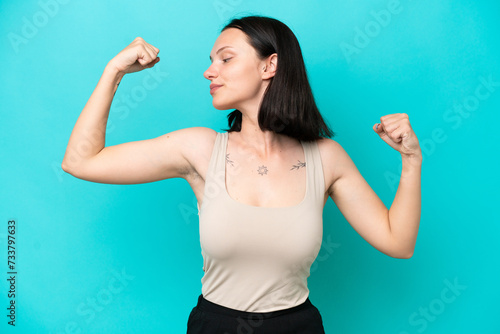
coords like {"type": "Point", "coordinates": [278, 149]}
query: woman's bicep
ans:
{"type": "Point", "coordinates": [141, 161]}
{"type": "Point", "coordinates": [361, 206]}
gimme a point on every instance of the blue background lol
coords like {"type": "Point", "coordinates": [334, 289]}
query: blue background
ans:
{"type": "Point", "coordinates": [74, 237]}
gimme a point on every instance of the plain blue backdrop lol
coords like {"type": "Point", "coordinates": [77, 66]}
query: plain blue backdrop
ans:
{"type": "Point", "coordinates": [98, 258]}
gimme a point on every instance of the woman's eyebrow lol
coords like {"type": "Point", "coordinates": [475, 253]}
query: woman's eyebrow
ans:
{"type": "Point", "coordinates": [222, 48]}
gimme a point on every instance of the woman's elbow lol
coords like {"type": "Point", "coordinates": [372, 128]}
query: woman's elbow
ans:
{"type": "Point", "coordinates": [65, 167]}
{"type": "Point", "coordinates": [403, 255]}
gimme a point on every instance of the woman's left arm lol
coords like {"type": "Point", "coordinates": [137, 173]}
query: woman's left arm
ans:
{"type": "Point", "coordinates": [392, 231]}
{"type": "Point", "coordinates": [404, 214]}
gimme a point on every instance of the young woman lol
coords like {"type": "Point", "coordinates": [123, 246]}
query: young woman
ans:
{"type": "Point", "coordinates": [262, 184]}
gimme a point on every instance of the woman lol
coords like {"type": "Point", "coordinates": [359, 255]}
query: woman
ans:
{"type": "Point", "coordinates": [262, 185]}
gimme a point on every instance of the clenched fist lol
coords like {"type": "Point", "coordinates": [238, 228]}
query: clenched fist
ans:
{"type": "Point", "coordinates": [395, 130]}
{"type": "Point", "coordinates": [137, 56]}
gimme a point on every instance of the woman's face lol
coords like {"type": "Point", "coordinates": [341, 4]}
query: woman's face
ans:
{"type": "Point", "coordinates": [237, 68]}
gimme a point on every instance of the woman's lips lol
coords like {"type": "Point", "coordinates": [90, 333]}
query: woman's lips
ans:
{"type": "Point", "coordinates": [214, 88]}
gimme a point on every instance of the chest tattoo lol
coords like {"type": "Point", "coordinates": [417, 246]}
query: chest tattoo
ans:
{"type": "Point", "coordinates": [297, 166]}
{"type": "Point", "coordinates": [262, 170]}
{"type": "Point", "coordinates": [229, 161]}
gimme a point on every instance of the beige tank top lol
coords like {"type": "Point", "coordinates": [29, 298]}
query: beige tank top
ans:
{"type": "Point", "coordinates": [258, 259]}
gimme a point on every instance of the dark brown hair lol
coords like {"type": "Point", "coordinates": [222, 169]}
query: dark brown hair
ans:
{"type": "Point", "coordinates": [288, 106]}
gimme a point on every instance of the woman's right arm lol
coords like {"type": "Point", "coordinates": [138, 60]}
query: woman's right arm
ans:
{"type": "Point", "coordinates": [86, 157]}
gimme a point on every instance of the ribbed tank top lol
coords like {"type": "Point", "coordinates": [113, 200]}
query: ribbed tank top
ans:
{"type": "Point", "coordinates": [258, 259]}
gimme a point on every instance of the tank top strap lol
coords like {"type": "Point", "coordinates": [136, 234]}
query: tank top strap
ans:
{"type": "Point", "coordinates": [217, 166]}
{"type": "Point", "coordinates": [314, 168]}
{"type": "Point", "coordinates": [214, 179]}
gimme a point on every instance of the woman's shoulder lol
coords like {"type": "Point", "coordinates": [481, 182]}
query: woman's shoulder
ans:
{"type": "Point", "coordinates": [200, 139]}
{"type": "Point", "coordinates": [333, 158]}
{"type": "Point", "coordinates": [195, 144]}
{"type": "Point", "coordinates": [328, 146]}
{"type": "Point", "coordinates": [197, 134]}
{"type": "Point", "coordinates": [331, 151]}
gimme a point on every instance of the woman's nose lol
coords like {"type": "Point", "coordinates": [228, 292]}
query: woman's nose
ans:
{"type": "Point", "coordinates": [210, 73]}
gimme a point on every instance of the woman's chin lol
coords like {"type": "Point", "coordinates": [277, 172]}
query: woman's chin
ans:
{"type": "Point", "coordinates": [221, 106]}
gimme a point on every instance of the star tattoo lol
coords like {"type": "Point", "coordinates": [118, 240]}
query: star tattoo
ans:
{"type": "Point", "coordinates": [262, 170]}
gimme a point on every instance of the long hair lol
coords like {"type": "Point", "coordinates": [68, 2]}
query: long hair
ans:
{"type": "Point", "coordinates": [288, 105]}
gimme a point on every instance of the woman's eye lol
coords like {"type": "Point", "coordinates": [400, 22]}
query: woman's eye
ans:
{"type": "Point", "coordinates": [225, 60]}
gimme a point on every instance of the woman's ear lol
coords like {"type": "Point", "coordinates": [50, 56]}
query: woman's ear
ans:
{"type": "Point", "coordinates": [270, 66]}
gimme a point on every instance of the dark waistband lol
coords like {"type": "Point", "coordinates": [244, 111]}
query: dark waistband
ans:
{"type": "Point", "coordinates": [209, 306]}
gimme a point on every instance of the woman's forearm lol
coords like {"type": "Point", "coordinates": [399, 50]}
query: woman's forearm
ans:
{"type": "Point", "coordinates": [89, 133]}
{"type": "Point", "coordinates": [404, 214]}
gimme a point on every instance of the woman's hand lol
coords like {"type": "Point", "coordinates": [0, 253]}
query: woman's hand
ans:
{"type": "Point", "coordinates": [395, 130]}
{"type": "Point", "coordinates": [137, 56]}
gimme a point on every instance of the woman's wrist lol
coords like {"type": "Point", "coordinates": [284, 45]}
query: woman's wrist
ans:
{"type": "Point", "coordinates": [112, 75]}
{"type": "Point", "coordinates": [112, 72]}
{"type": "Point", "coordinates": [412, 161]}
